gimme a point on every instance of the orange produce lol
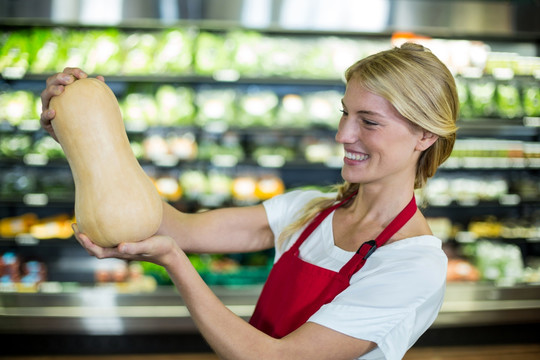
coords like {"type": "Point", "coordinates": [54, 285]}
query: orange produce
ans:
{"type": "Point", "coordinates": [115, 201]}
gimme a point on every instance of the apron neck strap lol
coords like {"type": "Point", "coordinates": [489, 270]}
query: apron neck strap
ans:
{"type": "Point", "coordinates": [316, 221]}
{"type": "Point", "coordinates": [367, 248]}
{"type": "Point", "coordinates": [403, 217]}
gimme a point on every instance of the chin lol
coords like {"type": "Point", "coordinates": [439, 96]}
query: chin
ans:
{"type": "Point", "coordinates": [351, 177]}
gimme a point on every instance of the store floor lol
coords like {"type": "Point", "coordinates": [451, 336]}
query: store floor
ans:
{"type": "Point", "coordinates": [497, 352]}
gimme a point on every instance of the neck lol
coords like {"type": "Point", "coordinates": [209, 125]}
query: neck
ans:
{"type": "Point", "coordinates": [380, 204]}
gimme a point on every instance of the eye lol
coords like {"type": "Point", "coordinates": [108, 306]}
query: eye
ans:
{"type": "Point", "coordinates": [369, 122]}
{"type": "Point", "coordinates": [344, 112]}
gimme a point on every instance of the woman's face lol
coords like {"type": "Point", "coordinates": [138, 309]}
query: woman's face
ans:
{"type": "Point", "coordinates": [380, 145]}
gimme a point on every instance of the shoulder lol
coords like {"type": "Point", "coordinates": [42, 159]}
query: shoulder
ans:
{"type": "Point", "coordinates": [294, 200]}
{"type": "Point", "coordinates": [411, 266]}
{"type": "Point", "coordinates": [284, 209]}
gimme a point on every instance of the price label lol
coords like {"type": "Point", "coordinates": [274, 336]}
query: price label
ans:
{"type": "Point", "coordinates": [531, 121]}
{"type": "Point", "coordinates": [224, 160]}
{"type": "Point", "coordinates": [26, 239]}
{"type": "Point", "coordinates": [510, 199]}
{"type": "Point", "coordinates": [36, 199]}
{"type": "Point", "coordinates": [271, 161]}
{"type": "Point", "coordinates": [35, 159]}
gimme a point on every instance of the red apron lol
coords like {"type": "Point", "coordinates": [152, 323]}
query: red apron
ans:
{"type": "Point", "coordinates": [296, 289]}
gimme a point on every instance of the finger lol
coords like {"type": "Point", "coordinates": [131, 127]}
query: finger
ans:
{"type": "Point", "coordinates": [45, 121]}
{"type": "Point", "coordinates": [60, 79]}
{"type": "Point", "coordinates": [48, 93]}
{"type": "Point", "coordinates": [89, 246]}
{"type": "Point", "coordinates": [138, 248]}
{"type": "Point", "coordinates": [46, 116]}
{"type": "Point", "coordinates": [76, 72]}
{"type": "Point", "coordinates": [99, 77]}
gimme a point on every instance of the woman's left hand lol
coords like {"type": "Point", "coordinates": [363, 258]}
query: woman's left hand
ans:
{"type": "Point", "coordinates": [157, 249]}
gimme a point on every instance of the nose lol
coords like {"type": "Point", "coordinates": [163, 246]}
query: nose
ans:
{"type": "Point", "coordinates": [347, 131]}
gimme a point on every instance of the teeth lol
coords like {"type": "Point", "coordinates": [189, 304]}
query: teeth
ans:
{"type": "Point", "coordinates": [357, 157]}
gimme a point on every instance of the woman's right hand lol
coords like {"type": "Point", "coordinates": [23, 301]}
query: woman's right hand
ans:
{"type": "Point", "coordinates": [54, 87]}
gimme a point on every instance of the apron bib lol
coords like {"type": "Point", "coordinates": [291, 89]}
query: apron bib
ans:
{"type": "Point", "coordinates": [296, 289]}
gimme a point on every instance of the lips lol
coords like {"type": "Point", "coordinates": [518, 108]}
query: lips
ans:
{"type": "Point", "coordinates": [355, 156]}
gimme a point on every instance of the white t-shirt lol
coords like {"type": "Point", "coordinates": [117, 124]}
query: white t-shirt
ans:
{"type": "Point", "coordinates": [391, 301]}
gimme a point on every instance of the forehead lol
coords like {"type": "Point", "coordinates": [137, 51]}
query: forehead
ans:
{"type": "Point", "coordinates": [357, 98]}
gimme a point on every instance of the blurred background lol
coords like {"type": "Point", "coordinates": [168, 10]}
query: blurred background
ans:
{"type": "Point", "coordinates": [231, 102]}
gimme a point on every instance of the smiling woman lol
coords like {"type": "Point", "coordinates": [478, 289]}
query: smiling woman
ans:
{"type": "Point", "coordinates": [357, 273]}
{"type": "Point", "coordinates": [409, 83]}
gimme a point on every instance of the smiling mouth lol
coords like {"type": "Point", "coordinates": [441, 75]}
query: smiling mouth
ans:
{"type": "Point", "coordinates": [356, 156]}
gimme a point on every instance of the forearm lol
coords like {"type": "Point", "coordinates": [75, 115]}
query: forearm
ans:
{"type": "Point", "coordinates": [229, 335]}
{"type": "Point", "coordinates": [218, 231]}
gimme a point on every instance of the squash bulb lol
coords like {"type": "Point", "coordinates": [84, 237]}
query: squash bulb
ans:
{"type": "Point", "coordinates": [115, 201]}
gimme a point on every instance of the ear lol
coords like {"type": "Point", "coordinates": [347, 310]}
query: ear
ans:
{"type": "Point", "coordinates": [427, 139]}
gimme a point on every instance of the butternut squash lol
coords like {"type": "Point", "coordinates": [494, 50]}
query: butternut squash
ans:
{"type": "Point", "coordinates": [115, 201]}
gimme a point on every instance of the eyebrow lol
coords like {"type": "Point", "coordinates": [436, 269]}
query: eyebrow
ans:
{"type": "Point", "coordinates": [365, 112]}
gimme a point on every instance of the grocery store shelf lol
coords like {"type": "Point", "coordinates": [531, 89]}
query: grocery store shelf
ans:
{"type": "Point", "coordinates": [105, 311]}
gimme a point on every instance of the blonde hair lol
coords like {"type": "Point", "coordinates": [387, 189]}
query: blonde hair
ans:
{"type": "Point", "coordinates": [422, 89]}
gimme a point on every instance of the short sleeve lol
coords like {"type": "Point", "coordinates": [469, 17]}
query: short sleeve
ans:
{"type": "Point", "coordinates": [282, 210]}
{"type": "Point", "coordinates": [392, 300]}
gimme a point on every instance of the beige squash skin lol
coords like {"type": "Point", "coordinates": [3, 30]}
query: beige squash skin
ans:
{"type": "Point", "coordinates": [115, 201]}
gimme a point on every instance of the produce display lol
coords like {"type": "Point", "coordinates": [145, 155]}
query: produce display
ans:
{"type": "Point", "coordinates": [115, 201]}
{"type": "Point", "coordinates": [209, 134]}
{"type": "Point", "coordinates": [177, 51]}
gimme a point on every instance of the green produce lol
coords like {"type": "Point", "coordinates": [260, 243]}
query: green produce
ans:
{"type": "Point", "coordinates": [104, 56]}
{"type": "Point", "coordinates": [139, 50]}
{"type": "Point", "coordinates": [280, 57]}
{"type": "Point", "coordinates": [199, 262]}
{"type": "Point", "coordinates": [175, 105]}
{"type": "Point", "coordinates": [231, 146]}
{"type": "Point", "coordinates": [287, 154]}
{"type": "Point", "coordinates": [215, 106]}
{"type": "Point", "coordinates": [139, 110]}
{"type": "Point", "coordinates": [318, 61]}
{"type": "Point", "coordinates": [292, 111]}
{"type": "Point", "coordinates": [137, 148]}
{"type": "Point", "coordinates": [498, 262]}
{"type": "Point", "coordinates": [157, 272]}
{"type": "Point", "coordinates": [45, 50]}
{"type": "Point", "coordinates": [15, 146]}
{"type": "Point", "coordinates": [246, 53]}
{"type": "Point", "coordinates": [482, 96]}
{"type": "Point", "coordinates": [508, 101]}
{"type": "Point", "coordinates": [211, 53]}
{"type": "Point", "coordinates": [220, 185]}
{"type": "Point", "coordinates": [48, 147]}
{"type": "Point", "coordinates": [465, 110]}
{"type": "Point", "coordinates": [256, 108]}
{"type": "Point", "coordinates": [225, 152]}
{"type": "Point", "coordinates": [15, 54]}
{"type": "Point", "coordinates": [531, 99]}
{"type": "Point", "coordinates": [194, 184]}
{"type": "Point", "coordinates": [322, 108]}
{"type": "Point", "coordinates": [17, 106]}
{"type": "Point", "coordinates": [174, 52]}
{"type": "Point", "coordinates": [75, 49]}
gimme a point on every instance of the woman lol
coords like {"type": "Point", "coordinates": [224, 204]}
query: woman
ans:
{"type": "Point", "coordinates": [358, 273]}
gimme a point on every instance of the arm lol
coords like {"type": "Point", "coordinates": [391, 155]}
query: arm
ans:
{"type": "Point", "coordinates": [229, 230]}
{"type": "Point", "coordinates": [229, 335]}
